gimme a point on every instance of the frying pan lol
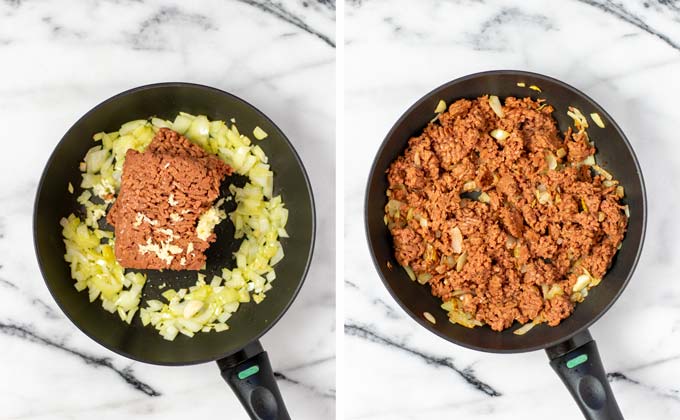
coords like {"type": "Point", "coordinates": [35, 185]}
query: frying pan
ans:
{"type": "Point", "coordinates": [569, 346]}
{"type": "Point", "coordinates": [241, 359]}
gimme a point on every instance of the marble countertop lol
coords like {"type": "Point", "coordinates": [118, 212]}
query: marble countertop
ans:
{"type": "Point", "coordinates": [626, 55]}
{"type": "Point", "coordinates": [59, 59]}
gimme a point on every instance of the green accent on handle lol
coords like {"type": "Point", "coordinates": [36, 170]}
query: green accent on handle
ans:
{"type": "Point", "coordinates": [248, 372]}
{"type": "Point", "coordinates": [572, 363]}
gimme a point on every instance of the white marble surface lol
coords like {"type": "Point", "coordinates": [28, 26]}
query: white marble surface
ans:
{"type": "Point", "coordinates": [626, 55]}
{"type": "Point", "coordinates": [59, 59]}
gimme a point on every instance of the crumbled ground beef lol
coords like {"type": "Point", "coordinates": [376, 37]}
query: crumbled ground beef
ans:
{"type": "Point", "coordinates": [164, 190]}
{"type": "Point", "coordinates": [517, 243]}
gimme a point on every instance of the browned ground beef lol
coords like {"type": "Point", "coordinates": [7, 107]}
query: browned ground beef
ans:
{"type": "Point", "coordinates": [163, 192]}
{"type": "Point", "coordinates": [516, 246]}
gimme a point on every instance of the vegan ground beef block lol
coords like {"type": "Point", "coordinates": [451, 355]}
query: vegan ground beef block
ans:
{"type": "Point", "coordinates": [505, 218]}
{"type": "Point", "coordinates": [164, 191]}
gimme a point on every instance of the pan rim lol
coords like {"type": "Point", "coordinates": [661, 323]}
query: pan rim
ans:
{"type": "Point", "coordinates": [381, 150]}
{"type": "Point", "coordinates": [165, 85]}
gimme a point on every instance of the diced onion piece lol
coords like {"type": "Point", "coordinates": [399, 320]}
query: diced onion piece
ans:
{"type": "Point", "coordinates": [521, 84]}
{"type": "Point", "coordinates": [484, 198]}
{"type": "Point", "coordinates": [429, 317]}
{"type": "Point", "coordinates": [259, 133]}
{"type": "Point", "coordinates": [461, 261]}
{"type": "Point", "coordinates": [597, 119]}
{"type": "Point", "coordinates": [470, 186]}
{"type": "Point", "coordinates": [555, 290]}
{"type": "Point", "coordinates": [561, 153]}
{"type": "Point", "coordinates": [499, 134]}
{"type": "Point", "coordinates": [626, 211]}
{"type": "Point", "coordinates": [579, 119]}
{"type": "Point", "coordinates": [536, 88]}
{"type": "Point", "coordinates": [458, 316]}
{"type": "Point", "coordinates": [160, 123]}
{"type": "Point", "coordinates": [496, 106]}
{"type": "Point", "coordinates": [524, 328]}
{"type": "Point", "coordinates": [602, 172]}
{"type": "Point", "coordinates": [589, 161]}
{"type": "Point", "coordinates": [441, 107]}
{"type": "Point", "coordinates": [410, 272]}
{"type": "Point", "coordinates": [581, 282]}
{"type": "Point", "coordinates": [456, 240]}
{"type": "Point", "coordinates": [423, 278]}
{"type": "Point", "coordinates": [551, 160]}
{"type": "Point", "coordinates": [182, 124]}
{"type": "Point", "coordinates": [70, 188]}
{"type": "Point", "coordinates": [619, 191]}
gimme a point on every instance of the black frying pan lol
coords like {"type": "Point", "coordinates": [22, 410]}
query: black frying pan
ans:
{"type": "Point", "coordinates": [572, 352]}
{"type": "Point", "coordinates": [237, 351]}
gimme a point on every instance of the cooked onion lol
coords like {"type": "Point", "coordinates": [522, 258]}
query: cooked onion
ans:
{"type": "Point", "coordinates": [499, 134]}
{"type": "Point", "coordinates": [602, 172]}
{"type": "Point", "coordinates": [579, 119]}
{"type": "Point", "coordinates": [581, 282]}
{"type": "Point", "coordinates": [597, 120]}
{"type": "Point", "coordinates": [441, 107]}
{"type": "Point", "coordinates": [551, 160]}
{"type": "Point", "coordinates": [410, 272]}
{"type": "Point", "coordinates": [524, 328]}
{"type": "Point", "coordinates": [536, 88]}
{"type": "Point", "coordinates": [429, 317]}
{"type": "Point", "coordinates": [461, 261]}
{"type": "Point", "coordinates": [496, 106]}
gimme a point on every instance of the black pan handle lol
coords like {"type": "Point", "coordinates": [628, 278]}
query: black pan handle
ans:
{"type": "Point", "coordinates": [577, 362]}
{"type": "Point", "coordinates": [250, 376]}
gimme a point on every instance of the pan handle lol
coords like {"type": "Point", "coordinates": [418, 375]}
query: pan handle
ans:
{"type": "Point", "coordinates": [250, 376]}
{"type": "Point", "coordinates": [577, 362]}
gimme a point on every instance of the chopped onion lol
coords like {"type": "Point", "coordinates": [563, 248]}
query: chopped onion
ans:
{"type": "Point", "coordinates": [589, 161]}
{"type": "Point", "coordinates": [259, 133]}
{"type": "Point", "coordinates": [619, 191]}
{"type": "Point", "coordinates": [484, 198]}
{"type": "Point", "coordinates": [496, 106]}
{"type": "Point", "coordinates": [259, 220]}
{"type": "Point", "coordinates": [561, 153]}
{"type": "Point", "coordinates": [521, 84]}
{"type": "Point", "coordinates": [551, 160]}
{"type": "Point", "coordinates": [597, 120]}
{"type": "Point", "coordinates": [461, 261]}
{"type": "Point", "coordinates": [579, 119]}
{"type": "Point", "coordinates": [441, 107]}
{"type": "Point", "coordinates": [429, 317]}
{"type": "Point", "coordinates": [524, 328]}
{"type": "Point", "coordinates": [536, 88]}
{"type": "Point", "coordinates": [470, 186]}
{"type": "Point", "coordinates": [423, 278]}
{"type": "Point", "coordinates": [499, 134]}
{"type": "Point", "coordinates": [581, 282]}
{"type": "Point", "coordinates": [410, 272]}
{"type": "Point", "coordinates": [602, 172]}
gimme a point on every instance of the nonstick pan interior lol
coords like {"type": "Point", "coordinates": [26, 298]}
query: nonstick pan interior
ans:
{"type": "Point", "coordinates": [143, 343]}
{"type": "Point", "coordinates": [614, 153]}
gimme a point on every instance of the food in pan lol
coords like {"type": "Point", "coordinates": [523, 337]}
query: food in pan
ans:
{"type": "Point", "coordinates": [95, 253]}
{"type": "Point", "coordinates": [163, 193]}
{"type": "Point", "coordinates": [505, 218]}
